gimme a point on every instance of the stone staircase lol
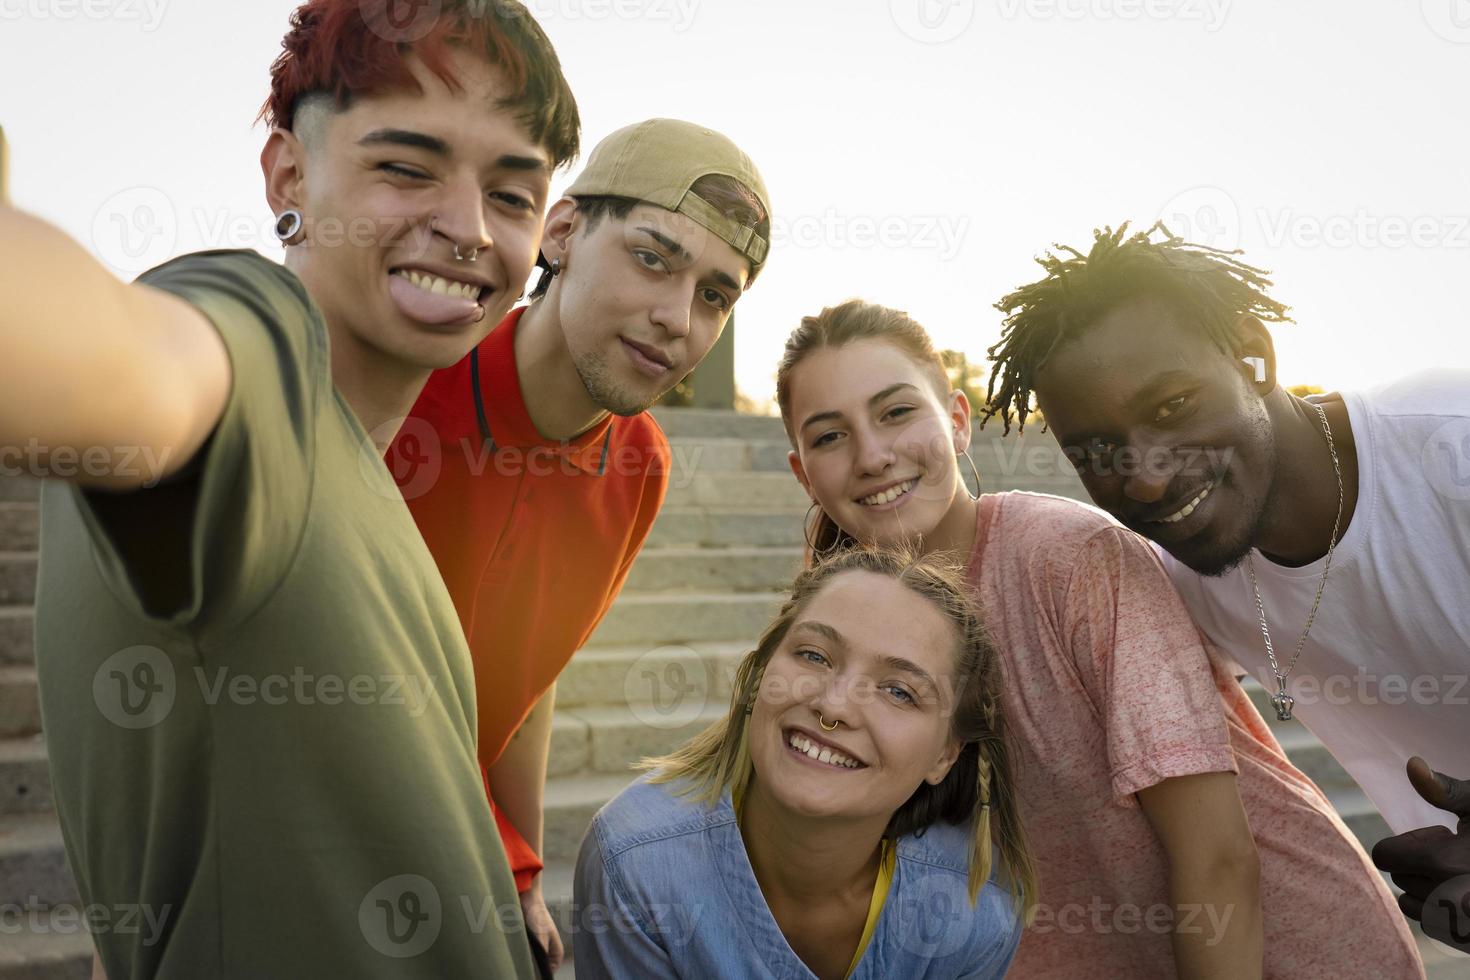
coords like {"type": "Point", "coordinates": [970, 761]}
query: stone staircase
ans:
{"type": "Point", "coordinates": [657, 670]}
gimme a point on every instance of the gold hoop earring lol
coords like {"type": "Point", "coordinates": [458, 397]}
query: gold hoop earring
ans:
{"type": "Point", "coordinates": [823, 722]}
{"type": "Point", "coordinates": [806, 534]}
{"type": "Point", "coordinates": [974, 469]}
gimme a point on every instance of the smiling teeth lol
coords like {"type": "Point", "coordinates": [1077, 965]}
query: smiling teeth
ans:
{"type": "Point", "coordinates": [1188, 508]}
{"type": "Point", "coordinates": [892, 493]}
{"type": "Point", "coordinates": [439, 285]}
{"type": "Point", "coordinates": [804, 745]}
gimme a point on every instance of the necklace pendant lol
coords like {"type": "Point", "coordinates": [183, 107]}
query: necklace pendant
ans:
{"type": "Point", "coordinates": [1282, 702]}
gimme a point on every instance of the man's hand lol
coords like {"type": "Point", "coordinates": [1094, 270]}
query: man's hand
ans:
{"type": "Point", "coordinates": [540, 924]}
{"type": "Point", "coordinates": [1431, 864]}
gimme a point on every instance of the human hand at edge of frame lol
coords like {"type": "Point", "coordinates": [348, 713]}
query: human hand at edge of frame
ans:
{"type": "Point", "coordinates": [1432, 864]}
{"type": "Point", "coordinates": [541, 925]}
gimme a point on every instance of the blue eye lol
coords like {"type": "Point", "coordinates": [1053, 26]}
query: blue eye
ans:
{"type": "Point", "coordinates": [811, 656]}
{"type": "Point", "coordinates": [899, 694]}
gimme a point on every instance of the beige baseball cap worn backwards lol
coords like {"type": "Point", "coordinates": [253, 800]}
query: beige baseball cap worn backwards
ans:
{"type": "Point", "coordinates": [659, 160]}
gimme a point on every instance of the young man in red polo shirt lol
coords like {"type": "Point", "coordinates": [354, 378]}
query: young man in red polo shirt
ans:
{"type": "Point", "coordinates": [532, 467]}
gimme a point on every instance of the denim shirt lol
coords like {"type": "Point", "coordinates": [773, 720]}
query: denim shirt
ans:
{"type": "Point", "coordinates": [664, 888]}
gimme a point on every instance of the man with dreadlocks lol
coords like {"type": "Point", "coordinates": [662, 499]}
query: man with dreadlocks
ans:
{"type": "Point", "coordinates": [1337, 525]}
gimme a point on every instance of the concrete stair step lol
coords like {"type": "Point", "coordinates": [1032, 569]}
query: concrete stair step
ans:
{"type": "Point", "coordinates": [23, 489]}
{"type": "Point", "coordinates": [17, 635]}
{"type": "Point", "coordinates": [679, 423]}
{"type": "Point", "coordinates": [20, 701]}
{"type": "Point", "coordinates": [609, 739]}
{"type": "Point", "coordinates": [17, 577]}
{"type": "Point", "coordinates": [1309, 755]}
{"type": "Point", "coordinates": [660, 620]}
{"type": "Point", "coordinates": [33, 870]}
{"type": "Point", "coordinates": [20, 526]}
{"type": "Point", "coordinates": [1360, 815]}
{"type": "Point", "coordinates": [708, 454]}
{"type": "Point", "coordinates": [705, 488]}
{"type": "Point", "coordinates": [708, 569]}
{"type": "Point", "coordinates": [724, 527]}
{"type": "Point", "coordinates": [570, 803]}
{"type": "Point", "coordinates": [25, 776]}
{"type": "Point", "coordinates": [46, 944]}
{"type": "Point", "coordinates": [655, 676]}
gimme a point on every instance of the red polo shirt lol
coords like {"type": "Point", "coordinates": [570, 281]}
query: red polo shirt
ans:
{"type": "Point", "coordinates": [533, 537]}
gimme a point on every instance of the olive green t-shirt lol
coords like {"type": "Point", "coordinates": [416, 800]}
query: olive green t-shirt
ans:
{"type": "Point", "coordinates": [280, 774]}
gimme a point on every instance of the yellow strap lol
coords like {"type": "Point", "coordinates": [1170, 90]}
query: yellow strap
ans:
{"type": "Point", "coordinates": [875, 908]}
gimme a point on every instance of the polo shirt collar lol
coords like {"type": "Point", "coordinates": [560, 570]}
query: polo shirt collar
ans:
{"type": "Point", "coordinates": [500, 407]}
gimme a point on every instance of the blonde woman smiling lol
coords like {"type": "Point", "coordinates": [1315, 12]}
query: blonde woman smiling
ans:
{"type": "Point", "coordinates": [838, 823]}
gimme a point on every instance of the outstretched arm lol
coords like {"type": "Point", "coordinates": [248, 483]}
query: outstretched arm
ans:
{"type": "Point", "coordinates": [94, 366]}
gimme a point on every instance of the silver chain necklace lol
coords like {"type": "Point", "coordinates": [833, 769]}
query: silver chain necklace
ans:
{"type": "Point", "coordinates": [1282, 701]}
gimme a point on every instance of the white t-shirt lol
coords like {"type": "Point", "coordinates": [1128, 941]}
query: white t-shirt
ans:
{"type": "Point", "coordinates": [1385, 673]}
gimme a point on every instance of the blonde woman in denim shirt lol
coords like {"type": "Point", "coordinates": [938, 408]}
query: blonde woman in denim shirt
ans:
{"type": "Point", "coordinates": [838, 823]}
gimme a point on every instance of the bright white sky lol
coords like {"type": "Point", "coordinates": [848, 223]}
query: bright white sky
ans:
{"type": "Point", "coordinates": [918, 152]}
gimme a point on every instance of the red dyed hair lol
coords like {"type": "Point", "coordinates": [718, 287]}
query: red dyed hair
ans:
{"type": "Point", "coordinates": [347, 49]}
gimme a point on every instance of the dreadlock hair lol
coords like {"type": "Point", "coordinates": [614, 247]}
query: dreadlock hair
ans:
{"type": "Point", "coordinates": [1210, 287]}
{"type": "Point", "coordinates": [977, 793]}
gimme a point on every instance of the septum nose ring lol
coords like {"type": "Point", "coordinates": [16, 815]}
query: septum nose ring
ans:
{"type": "Point", "coordinates": [823, 722]}
{"type": "Point", "coordinates": [474, 253]}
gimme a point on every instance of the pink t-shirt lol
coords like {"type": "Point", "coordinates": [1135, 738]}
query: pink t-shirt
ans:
{"type": "Point", "coordinates": [1109, 689]}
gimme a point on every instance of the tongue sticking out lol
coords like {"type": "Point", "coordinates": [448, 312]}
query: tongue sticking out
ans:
{"type": "Point", "coordinates": [427, 307]}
